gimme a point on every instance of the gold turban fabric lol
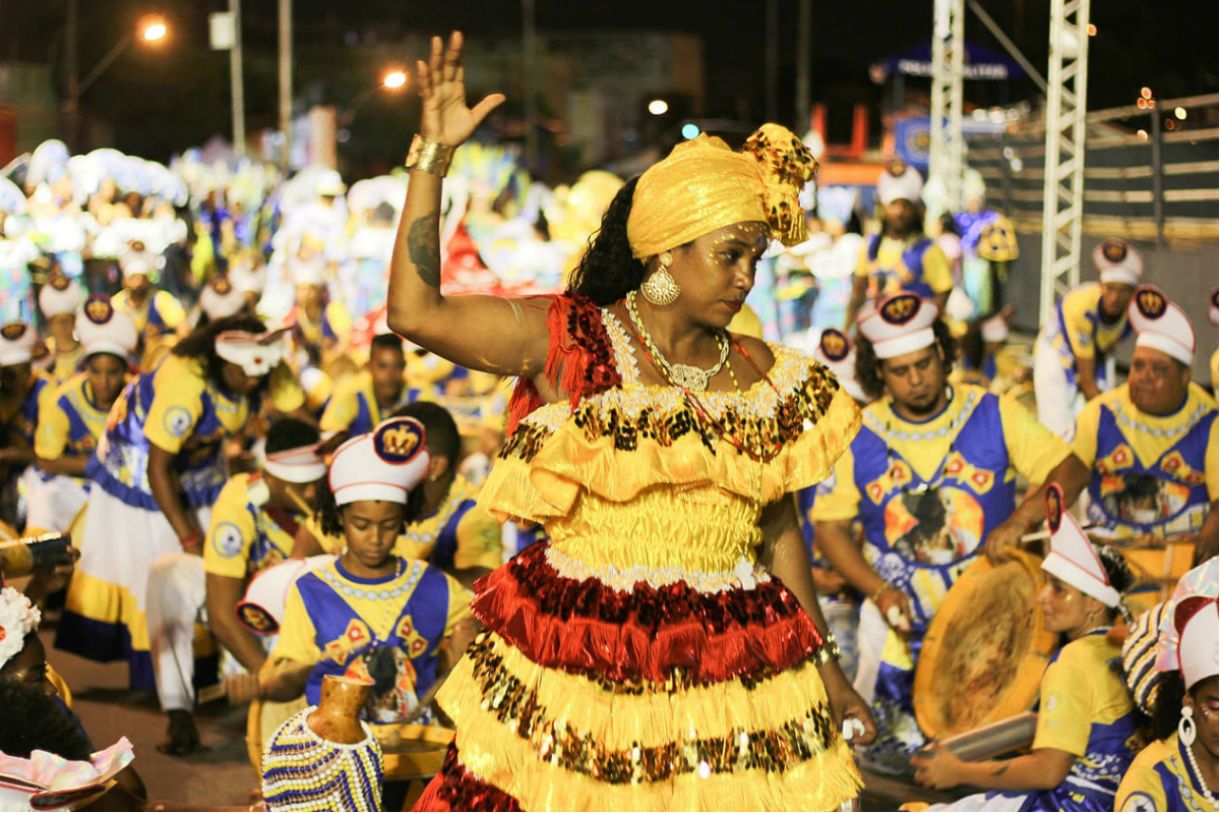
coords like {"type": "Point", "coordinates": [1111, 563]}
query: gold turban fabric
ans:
{"type": "Point", "coordinates": [703, 186]}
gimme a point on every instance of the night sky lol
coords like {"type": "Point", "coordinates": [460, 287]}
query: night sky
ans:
{"type": "Point", "coordinates": [162, 101]}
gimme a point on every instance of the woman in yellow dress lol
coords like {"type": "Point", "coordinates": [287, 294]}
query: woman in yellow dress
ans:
{"type": "Point", "coordinates": [664, 650]}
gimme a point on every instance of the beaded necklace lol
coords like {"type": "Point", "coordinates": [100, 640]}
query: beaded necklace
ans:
{"type": "Point", "coordinates": [1192, 766]}
{"type": "Point", "coordinates": [682, 375]}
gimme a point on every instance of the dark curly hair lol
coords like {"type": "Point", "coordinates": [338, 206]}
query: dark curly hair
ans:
{"type": "Point", "coordinates": [609, 270]}
{"type": "Point", "coordinates": [329, 514]}
{"type": "Point", "coordinates": [35, 721]}
{"type": "Point", "coordinates": [868, 366]}
{"type": "Point", "coordinates": [1167, 708]}
{"type": "Point", "coordinates": [1120, 576]}
{"type": "Point", "coordinates": [201, 345]}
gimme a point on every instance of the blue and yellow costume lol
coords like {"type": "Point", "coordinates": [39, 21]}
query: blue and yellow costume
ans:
{"type": "Point", "coordinates": [245, 535]}
{"type": "Point", "coordinates": [1151, 474]}
{"type": "Point", "coordinates": [1078, 330]}
{"type": "Point", "coordinates": [915, 264]}
{"type": "Point", "coordinates": [388, 630]}
{"type": "Point", "coordinates": [66, 363]}
{"type": "Point", "coordinates": [334, 326]}
{"type": "Point", "coordinates": [161, 312]}
{"type": "Point", "coordinates": [353, 406]}
{"type": "Point", "coordinates": [22, 418]}
{"type": "Point", "coordinates": [459, 535]}
{"type": "Point", "coordinates": [928, 494]}
{"type": "Point", "coordinates": [176, 408]}
{"type": "Point", "coordinates": [1161, 778]}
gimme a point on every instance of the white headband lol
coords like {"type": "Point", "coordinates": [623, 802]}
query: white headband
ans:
{"type": "Point", "coordinates": [16, 344]}
{"type": "Point", "coordinates": [60, 295]}
{"type": "Point", "coordinates": [1072, 559]}
{"type": "Point", "coordinates": [102, 329]}
{"type": "Point", "coordinates": [256, 353]}
{"type": "Point", "coordinates": [300, 465]}
{"type": "Point", "coordinates": [1197, 620]}
{"type": "Point", "coordinates": [899, 325]}
{"type": "Point", "coordinates": [384, 464]}
{"type": "Point", "coordinates": [1161, 325]}
{"type": "Point", "coordinates": [1117, 261]}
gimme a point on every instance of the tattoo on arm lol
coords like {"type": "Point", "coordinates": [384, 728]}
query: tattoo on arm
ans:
{"type": "Point", "coordinates": [1000, 771]}
{"type": "Point", "coordinates": [423, 247]}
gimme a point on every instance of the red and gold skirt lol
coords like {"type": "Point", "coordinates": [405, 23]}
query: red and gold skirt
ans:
{"type": "Point", "coordinates": [584, 697]}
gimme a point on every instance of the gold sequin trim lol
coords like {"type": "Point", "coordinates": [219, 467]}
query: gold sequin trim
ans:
{"type": "Point", "coordinates": [517, 707]}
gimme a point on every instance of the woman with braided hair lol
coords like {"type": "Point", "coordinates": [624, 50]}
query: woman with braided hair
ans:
{"type": "Point", "coordinates": [664, 649]}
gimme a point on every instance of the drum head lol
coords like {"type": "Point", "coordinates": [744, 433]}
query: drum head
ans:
{"type": "Point", "coordinates": [985, 650]}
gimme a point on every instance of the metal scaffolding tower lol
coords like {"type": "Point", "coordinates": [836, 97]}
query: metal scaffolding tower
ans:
{"type": "Point", "coordinates": [947, 151]}
{"type": "Point", "coordinates": [1063, 190]}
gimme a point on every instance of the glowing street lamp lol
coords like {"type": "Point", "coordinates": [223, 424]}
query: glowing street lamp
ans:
{"type": "Point", "coordinates": [394, 79]}
{"type": "Point", "coordinates": [658, 107]}
{"type": "Point", "coordinates": [153, 29]}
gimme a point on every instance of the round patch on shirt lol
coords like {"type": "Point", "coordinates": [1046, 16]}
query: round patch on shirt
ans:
{"type": "Point", "coordinates": [1139, 801]}
{"type": "Point", "coordinates": [399, 440]}
{"type": "Point", "coordinates": [227, 540]}
{"type": "Point", "coordinates": [177, 422]}
{"type": "Point", "coordinates": [1151, 303]}
{"type": "Point", "coordinates": [834, 345]}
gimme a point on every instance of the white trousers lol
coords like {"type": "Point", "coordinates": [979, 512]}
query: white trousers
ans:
{"type": "Point", "coordinates": [177, 590]}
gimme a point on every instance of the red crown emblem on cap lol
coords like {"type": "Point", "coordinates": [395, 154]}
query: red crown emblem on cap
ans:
{"type": "Point", "coordinates": [14, 330]}
{"type": "Point", "coordinates": [834, 344]}
{"type": "Point", "coordinates": [221, 286]}
{"type": "Point", "coordinates": [1054, 506]}
{"type": "Point", "coordinates": [1114, 250]}
{"type": "Point", "coordinates": [900, 309]}
{"type": "Point", "coordinates": [98, 309]}
{"type": "Point", "coordinates": [1151, 303]}
{"type": "Point", "coordinates": [59, 282]}
{"type": "Point", "coordinates": [398, 441]}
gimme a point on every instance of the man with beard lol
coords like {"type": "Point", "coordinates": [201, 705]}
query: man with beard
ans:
{"type": "Point", "coordinates": [932, 462]}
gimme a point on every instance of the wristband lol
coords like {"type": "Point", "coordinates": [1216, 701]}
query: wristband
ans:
{"type": "Point", "coordinates": [429, 156]}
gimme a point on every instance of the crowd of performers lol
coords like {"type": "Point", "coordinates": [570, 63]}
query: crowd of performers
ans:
{"type": "Point", "coordinates": [689, 562]}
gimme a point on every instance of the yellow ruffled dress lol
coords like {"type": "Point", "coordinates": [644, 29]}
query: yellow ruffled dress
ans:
{"type": "Point", "coordinates": [643, 659]}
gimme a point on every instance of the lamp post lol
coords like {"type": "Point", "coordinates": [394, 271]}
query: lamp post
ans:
{"type": "Point", "coordinates": [393, 80]}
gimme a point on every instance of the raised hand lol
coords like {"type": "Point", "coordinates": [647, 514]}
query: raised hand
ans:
{"type": "Point", "coordinates": [442, 87]}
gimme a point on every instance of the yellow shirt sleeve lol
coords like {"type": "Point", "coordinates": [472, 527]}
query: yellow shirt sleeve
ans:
{"type": "Point", "coordinates": [862, 260]}
{"type": "Point", "coordinates": [51, 438]}
{"type": "Point", "coordinates": [170, 309]}
{"type": "Point", "coordinates": [1211, 469]}
{"type": "Point", "coordinates": [231, 532]}
{"type": "Point", "coordinates": [842, 501]}
{"type": "Point", "coordinates": [343, 407]}
{"type": "Point", "coordinates": [1076, 307]}
{"type": "Point", "coordinates": [340, 321]}
{"type": "Point", "coordinates": [1084, 444]}
{"type": "Point", "coordinates": [1141, 788]}
{"type": "Point", "coordinates": [298, 637]}
{"type": "Point", "coordinates": [479, 542]}
{"type": "Point", "coordinates": [176, 406]}
{"type": "Point", "coordinates": [1032, 448]}
{"type": "Point", "coordinates": [1065, 713]}
{"type": "Point", "coordinates": [459, 604]}
{"type": "Point", "coordinates": [936, 270]}
{"type": "Point", "coordinates": [284, 391]}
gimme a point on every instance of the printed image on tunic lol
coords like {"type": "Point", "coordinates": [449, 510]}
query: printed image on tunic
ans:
{"type": "Point", "coordinates": [392, 698]}
{"type": "Point", "coordinates": [1141, 499]}
{"type": "Point", "coordinates": [935, 526]}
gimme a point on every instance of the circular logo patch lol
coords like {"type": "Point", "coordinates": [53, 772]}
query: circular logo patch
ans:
{"type": "Point", "coordinates": [14, 330]}
{"type": "Point", "coordinates": [834, 345]}
{"type": "Point", "coordinates": [1114, 250]}
{"type": "Point", "coordinates": [398, 441]}
{"type": "Point", "coordinates": [1151, 303]}
{"type": "Point", "coordinates": [258, 620]}
{"type": "Point", "coordinates": [1054, 507]}
{"type": "Point", "coordinates": [98, 309]}
{"type": "Point", "coordinates": [177, 422]}
{"type": "Point", "coordinates": [1139, 801]}
{"type": "Point", "coordinates": [227, 540]}
{"type": "Point", "coordinates": [900, 309]}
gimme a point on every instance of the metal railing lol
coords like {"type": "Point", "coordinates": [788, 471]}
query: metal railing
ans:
{"type": "Point", "coordinates": [1150, 172]}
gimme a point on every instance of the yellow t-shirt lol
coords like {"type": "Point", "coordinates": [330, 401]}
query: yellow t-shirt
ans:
{"type": "Point", "coordinates": [461, 534]}
{"type": "Point", "coordinates": [67, 363]}
{"type": "Point", "coordinates": [937, 273]}
{"type": "Point", "coordinates": [345, 405]}
{"type": "Point", "coordinates": [1033, 451]}
{"type": "Point", "coordinates": [242, 537]}
{"type": "Point", "coordinates": [58, 433]}
{"type": "Point", "coordinates": [1080, 308]}
{"type": "Point", "coordinates": [169, 310]}
{"type": "Point", "coordinates": [177, 404]}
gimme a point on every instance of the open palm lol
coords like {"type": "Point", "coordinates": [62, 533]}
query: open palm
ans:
{"type": "Point", "coordinates": [442, 87]}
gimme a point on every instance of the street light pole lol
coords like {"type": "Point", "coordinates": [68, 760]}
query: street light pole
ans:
{"type": "Point", "coordinates": [237, 87]}
{"type": "Point", "coordinates": [285, 14]}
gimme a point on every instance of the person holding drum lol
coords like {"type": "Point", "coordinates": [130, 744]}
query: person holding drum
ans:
{"type": "Point", "coordinates": [931, 473]}
{"type": "Point", "coordinates": [1089, 729]}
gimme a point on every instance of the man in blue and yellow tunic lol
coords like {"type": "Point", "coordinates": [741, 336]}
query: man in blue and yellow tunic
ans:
{"type": "Point", "coordinates": [1073, 356]}
{"type": "Point", "coordinates": [59, 300]}
{"type": "Point", "coordinates": [901, 257]}
{"type": "Point", "coordinates": [931, 472]}
{"type": "Point", "coordinates": [22, 391]}
{"type": "Point", "coordinates": [155, 313]}
{"type": "Point", "coordinates": [454, 533]}
{"type": "Point", "coordinates": [365, 399]}
{"type": "Point", "coordinates": [73, 418]}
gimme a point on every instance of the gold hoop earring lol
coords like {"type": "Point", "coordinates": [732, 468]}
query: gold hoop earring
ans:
{"type": "Point", "coordinates": [661, 288]}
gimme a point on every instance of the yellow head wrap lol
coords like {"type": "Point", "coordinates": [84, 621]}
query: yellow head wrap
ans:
{"type": "Point", "coordinates": [703, 186]}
